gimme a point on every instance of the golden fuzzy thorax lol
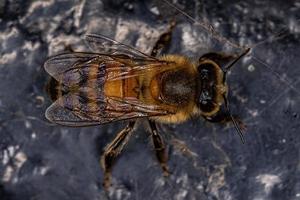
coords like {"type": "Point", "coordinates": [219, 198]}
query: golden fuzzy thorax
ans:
{"type": "Point", "coordinates": [182, 111]}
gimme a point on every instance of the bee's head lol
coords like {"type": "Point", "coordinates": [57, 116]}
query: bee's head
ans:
{"type": "Point", "coordinates": [212, 70]}
{"type": "Point", "coordinates": [212, 84]}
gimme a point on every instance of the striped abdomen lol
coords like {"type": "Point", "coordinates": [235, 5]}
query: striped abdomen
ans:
{"type": "Point", "coordinates": [87, 88]}
{"type": "Point", "coordinates": [81, 88]}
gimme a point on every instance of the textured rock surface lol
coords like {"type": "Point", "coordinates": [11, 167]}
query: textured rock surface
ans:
{"type": "Point", "coordinates": [44, 161]}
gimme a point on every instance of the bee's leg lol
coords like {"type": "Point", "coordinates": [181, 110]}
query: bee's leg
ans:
{"type": "Point", "coordinates": [112, 150]}
{"type": "Point", "coordinates": [159, 147]}
{"type": "Point", "coordinates": [224, 117]}
{"type": "Point", "coordinates": [220, 58]}
{"type": "Point", "coordinates": [164, 40]}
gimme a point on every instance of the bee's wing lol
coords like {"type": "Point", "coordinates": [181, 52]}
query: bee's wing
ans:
{"type": "Point", "coordinates": [102, 44]}
{"type": "Point", "coordinates": [59, 64]}
{"type": "Point", "coordinates": [57, 113]}
{"type": "Point", "coordinates": [87, 105]}
{"type": "Point", "coordinates": [109, 110]}
{"type": "Point", "coordinates": [72, 65]}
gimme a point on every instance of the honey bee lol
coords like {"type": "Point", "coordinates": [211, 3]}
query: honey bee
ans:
{"type": "Point", "coordinates": [117, 82]}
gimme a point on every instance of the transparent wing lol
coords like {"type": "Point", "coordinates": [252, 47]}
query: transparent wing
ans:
{"type": "Point", "coordinates": [61, 63]}
{"type": "Point", "coordinates": [110, 110]}
{"type": "Point", "coordinates": [103, 44]}
{"type": "Point", "coordinates": [58, 114]}
{"type": "Point", "coordinates": [71, 68]}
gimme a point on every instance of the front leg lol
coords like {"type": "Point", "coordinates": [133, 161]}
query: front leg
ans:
{"type": "Point", "coordinates": [159, 147]}
{"type": "Point", "coordinates": [224, 117]}
{"type": "Point", "coordinates": [112, 150]}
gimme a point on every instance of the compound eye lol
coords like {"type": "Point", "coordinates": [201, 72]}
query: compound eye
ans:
{"type": "Point", "coordinates": [206, 71]}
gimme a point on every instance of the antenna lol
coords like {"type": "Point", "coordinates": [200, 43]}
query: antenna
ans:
{"type": "Point", "coordinates": [227, 68]}
{"type": "Point", "coordinates": [207, 27]}
{"type": "Point", "coordinates": [236, 125]}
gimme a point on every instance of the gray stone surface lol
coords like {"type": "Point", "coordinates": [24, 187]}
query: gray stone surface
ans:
{"type": "Point", "coordinates": [39, 160]}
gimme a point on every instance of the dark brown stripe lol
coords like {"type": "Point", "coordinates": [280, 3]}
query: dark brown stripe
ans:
{"type": "Point", "coordinates": [84, 76]}
{"type": "Point", "coordinates": [101, 77]}
{"type": "Point", "coordinates": [52, 89]}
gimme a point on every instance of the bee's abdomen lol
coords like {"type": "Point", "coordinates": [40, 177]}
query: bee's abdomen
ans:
{"type": "Point", "coordinates": [120, 84]}
{"type": "Point", "coordinates": [81, 89]}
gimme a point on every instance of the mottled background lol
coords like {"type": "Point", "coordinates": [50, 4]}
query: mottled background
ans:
{"type": "Point", "coordinates": [39, 160]}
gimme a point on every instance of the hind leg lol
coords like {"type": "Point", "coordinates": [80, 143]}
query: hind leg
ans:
{"type": "Point", "coordinates": [112, 150]}
{"type": "Point", "coordinates": [159, 147]}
